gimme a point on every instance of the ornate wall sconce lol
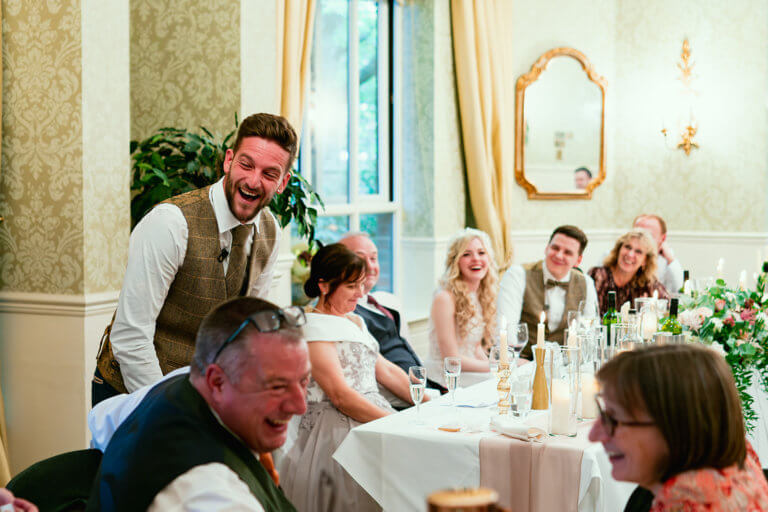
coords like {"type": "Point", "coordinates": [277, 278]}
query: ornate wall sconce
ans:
{"type": "Point", "coordinates": [688, 132]}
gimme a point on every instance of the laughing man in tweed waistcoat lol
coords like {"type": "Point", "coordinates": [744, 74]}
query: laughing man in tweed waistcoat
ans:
{"type": "Point", "coordinates": [192, 252]}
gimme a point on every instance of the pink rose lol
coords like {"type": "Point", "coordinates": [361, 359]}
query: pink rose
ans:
{"type": "Point", "coordinates": [719, 304]}
{"type": "Point", "coordinates": [729, 321]}
{"type": "Point", "coordinates": [748, 315]}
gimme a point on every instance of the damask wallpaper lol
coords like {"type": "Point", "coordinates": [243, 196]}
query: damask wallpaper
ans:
{"type": "Point", "coordinates": [637, 48]}
{"type": "Point", "coordinates": [185, 65]}
{"type": "Point", "coordinates": [41, 240]}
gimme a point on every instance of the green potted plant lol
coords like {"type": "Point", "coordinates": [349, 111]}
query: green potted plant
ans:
{"type": "Point", "coordinates": [173, 161]}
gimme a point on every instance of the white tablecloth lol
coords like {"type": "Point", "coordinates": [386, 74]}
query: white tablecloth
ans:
{"type": "Point", "coordinates": [400, 463]}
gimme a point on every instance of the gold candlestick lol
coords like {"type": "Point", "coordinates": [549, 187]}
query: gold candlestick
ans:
{"type": "Point", "coordinates": [540, 399]}
{"type": "Point", "coordinates": [503, 388]}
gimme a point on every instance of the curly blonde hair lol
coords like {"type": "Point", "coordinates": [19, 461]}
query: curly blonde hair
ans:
{"type": "Point", "coordinates": [647, 273]}
{"type": "Point", "coordinates": [455, 285]}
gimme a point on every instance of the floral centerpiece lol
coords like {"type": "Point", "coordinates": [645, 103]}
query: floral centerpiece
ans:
{"type": "Point", "coordinates": [733, 322]}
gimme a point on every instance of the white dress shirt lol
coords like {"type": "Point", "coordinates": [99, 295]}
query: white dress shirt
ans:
{"type": "Point", "coordinates": [212, 486]}
{"type": "Point", "coordinates": [512, 291]}
{"type": "Point", "coordinates": [670, 274]}
{"type": "Point", "coordinates": [156, 251]}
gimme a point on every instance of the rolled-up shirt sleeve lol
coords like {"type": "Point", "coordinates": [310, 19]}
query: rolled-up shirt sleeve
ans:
{"type": "Point", "coordinates": [155, 253]}
{"type": "Point", "coordinates": [263, 282]}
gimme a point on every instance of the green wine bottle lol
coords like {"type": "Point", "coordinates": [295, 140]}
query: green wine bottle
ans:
{"type": "Point", "coordinates": [670, 323]}
{"type": "Point", "coordinates": [610, 318]}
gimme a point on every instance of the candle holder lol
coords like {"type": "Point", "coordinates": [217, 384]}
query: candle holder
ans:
{"type": "Point", "coordinates": [503, 387]}
{"type": "Point", "coordinates": [565, 392]}
{"type": "Point", "coordinates": [540, 399]}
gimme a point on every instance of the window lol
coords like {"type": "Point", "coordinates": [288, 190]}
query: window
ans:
{"type": "Point", "coordinates": [345, 151]}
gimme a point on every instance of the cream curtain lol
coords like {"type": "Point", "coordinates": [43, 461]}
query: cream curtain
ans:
{"type": "Point", "coordinates": [295, 22]}
{"type": "Point", "coordinates": [486, 117]}
{"type": "Point", "coordinates": [5, 471]}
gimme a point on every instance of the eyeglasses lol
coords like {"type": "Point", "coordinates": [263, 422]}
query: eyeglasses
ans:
{"type": "Point", "coordinates": [610, 423]}
{"type": "Point", "coordinates": [268, 320]}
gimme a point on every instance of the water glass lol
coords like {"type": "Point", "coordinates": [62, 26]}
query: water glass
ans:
{"type": "Point", "coordinates": [495, 355]}
{"type": "Point", "coordinates": [417, 377]}
{"type": "Point", "coordinates": [452, 368]}
{"type": "Point", "coordinates": [521, 389]}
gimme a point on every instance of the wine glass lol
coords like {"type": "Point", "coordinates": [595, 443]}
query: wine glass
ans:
{"type": "Point", "coordinates": [522, 392]}
{"type": "Point", "coordinates": [519, 340]}
{"type": "Point", "coordinates": [452, 367]}
{"type": "Point", "coordinates": [588, 314]}
{"type": "Point", "coordinates": [417, 377]}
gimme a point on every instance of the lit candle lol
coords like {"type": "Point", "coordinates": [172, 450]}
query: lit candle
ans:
{"type": "Point", "coordinates": [503, 355]}
{"type": "Point", "coordinates": [540, 330]}
{"type": "Point", "coordinates": [719, 269]}
{"type": "Point", "coordinates": [589, 389]}
{"type": "Point", "coordinates": [743, 280]}
{"type": "Point", "coordinates": [561, 407]}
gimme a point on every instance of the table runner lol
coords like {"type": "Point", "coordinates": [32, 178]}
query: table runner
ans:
{"type": "Point", "coordinates": [523, 472]}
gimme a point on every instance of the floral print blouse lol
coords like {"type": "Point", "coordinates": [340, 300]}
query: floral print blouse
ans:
{"type": "Point", "coordinates": [604, 283]}
{"type": "Point", "coordinates": [729, 489]}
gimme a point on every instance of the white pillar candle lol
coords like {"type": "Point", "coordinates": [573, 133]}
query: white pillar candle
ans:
{"type": "Point", "coordinates": [503, 354]}
{"type": "Point", "coordinates": [743, 280]}
{"type": "Point", "coordinates": [573, 340]}
{"type": "Point", "coordinates": [540, 330]}
{"type": "Point", "coordinates": [561, 405]}
{"type": "Point", "coordinates": [719, 269]}
{"type": "Point", "coordinates": [649, 323]}
{"type": "Point", "coordinates": [589, 389]}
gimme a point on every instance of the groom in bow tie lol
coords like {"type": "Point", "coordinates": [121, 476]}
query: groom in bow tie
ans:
{"type": "Point", "coordinates": [553, 285]}
{"type": "Point", "coordinates": [381, 314]}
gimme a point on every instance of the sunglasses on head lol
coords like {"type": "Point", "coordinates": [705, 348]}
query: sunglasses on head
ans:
{"type": "Point", "coordinates": [268, 320]}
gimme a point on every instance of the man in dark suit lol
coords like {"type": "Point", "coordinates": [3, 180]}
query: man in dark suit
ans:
{"type": "Point", "coordinates": [384, 321]}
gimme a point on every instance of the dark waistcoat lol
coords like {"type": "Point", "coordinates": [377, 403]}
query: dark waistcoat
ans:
{"type": "Point", "coordinates": [170, 432]}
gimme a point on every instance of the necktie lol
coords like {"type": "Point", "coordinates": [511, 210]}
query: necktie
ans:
{"type": "Point", "coordinates": [265, 459]}
{"type": "Point", "coordinates": [373, 302]}
{"type": "Point", "coordinates": [551, 283]}
{"type": "Point", "coordinates": [237, 258]}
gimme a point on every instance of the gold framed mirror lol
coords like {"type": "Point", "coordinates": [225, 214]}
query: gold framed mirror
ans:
{"type": "Point", "coordinates": [560, 127]}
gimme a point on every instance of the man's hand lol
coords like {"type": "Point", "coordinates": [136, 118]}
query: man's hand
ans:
{"type": "Point", "coordinates": [11, 504]}
{"type": "Point", "coordinates": [666, 252]}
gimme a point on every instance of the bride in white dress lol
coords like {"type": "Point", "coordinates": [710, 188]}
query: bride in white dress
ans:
{"type": "Point", "coordinates": [343, 391]}
{"type": "Point", "coordinates": [462, 321]}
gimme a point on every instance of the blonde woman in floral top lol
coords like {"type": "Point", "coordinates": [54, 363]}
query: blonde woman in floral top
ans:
{"type": "Point", "coordinates": [671, 421]}
{"type": "Point", "coordinates": [629, 270]}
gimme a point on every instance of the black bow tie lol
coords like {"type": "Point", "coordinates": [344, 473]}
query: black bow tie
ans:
{"type": "Point", "coordinates": [551, 283]}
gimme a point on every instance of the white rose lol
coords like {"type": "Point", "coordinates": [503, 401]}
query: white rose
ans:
{"type": "Point", "coordinates": [717, 323]}
{"type": "Point", "coordinates": [717, 347]}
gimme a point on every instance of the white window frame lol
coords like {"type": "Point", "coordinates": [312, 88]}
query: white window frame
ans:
{"type": "Point", "coordinates": [362, 204]}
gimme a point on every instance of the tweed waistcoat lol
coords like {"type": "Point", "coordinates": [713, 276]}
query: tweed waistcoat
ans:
{"type": "Point", "coordinates": [199, 285]}
{"type": "Point", "coordinates": [533, 303]}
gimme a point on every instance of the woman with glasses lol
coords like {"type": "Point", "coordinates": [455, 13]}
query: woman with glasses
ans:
{"type": "Point", "coordinates": [462, 321]}
{"type": "Point", "coordinates": [343, 392]}
{"type": "Point", "coordinates": [671, 421]}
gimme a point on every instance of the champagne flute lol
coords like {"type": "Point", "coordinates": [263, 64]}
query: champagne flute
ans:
{"type": "Point", "coordinates": [417, 376]}
{"type": "Point", "coordinates": [519, 340]}
{"type": "Point", "coordinates": [589, 315]}
{"type": "Point", "coordinates": [452, 367]}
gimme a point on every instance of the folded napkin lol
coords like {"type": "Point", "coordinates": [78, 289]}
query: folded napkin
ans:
{"type": "Point", "coordinates": [625, 311]}
{"type": "Point", "coordinates": [515, 428]}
